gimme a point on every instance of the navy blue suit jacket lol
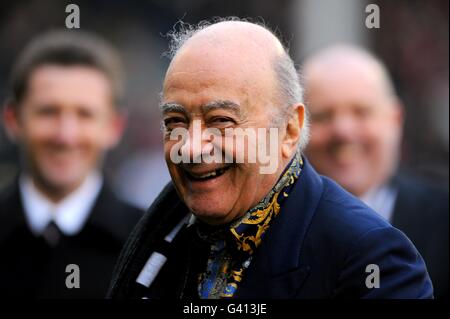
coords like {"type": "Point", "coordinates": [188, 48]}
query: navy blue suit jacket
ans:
{"type": "Point", "coordinates": [318, 247]}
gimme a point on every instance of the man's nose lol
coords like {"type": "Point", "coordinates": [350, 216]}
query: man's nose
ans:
{"type": "Point", "coordinates": [344, 127]}
{"type": "Point", "coordinates": [194, 143]}
{"type": "Point", "coordinates": [68, 129]}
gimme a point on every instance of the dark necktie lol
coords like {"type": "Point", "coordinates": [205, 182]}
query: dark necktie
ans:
{"type": "Point", "coordinates": [52, 234]}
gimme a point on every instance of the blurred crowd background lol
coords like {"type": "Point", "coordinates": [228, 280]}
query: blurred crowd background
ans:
{"type": "Point", "coordinates": [412, 40]}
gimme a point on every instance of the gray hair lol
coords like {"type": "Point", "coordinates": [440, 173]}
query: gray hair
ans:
{"type": "Point", "coordinates": [288, 78]}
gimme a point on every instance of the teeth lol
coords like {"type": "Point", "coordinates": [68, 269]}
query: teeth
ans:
{"type": "Point", "coordinates": [210, 174]}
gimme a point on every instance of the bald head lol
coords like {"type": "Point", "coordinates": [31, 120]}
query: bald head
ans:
{"type": "Point", "coordinates": [228, 48]}
{"type": "Point", "coordinates": [238, 36]}
{"type": "Point", "coordinates": [233, 44]}
{"type": "Point", "coordinates": [356, 119]}
{"type": "Point", "coordinates": [342, 63]}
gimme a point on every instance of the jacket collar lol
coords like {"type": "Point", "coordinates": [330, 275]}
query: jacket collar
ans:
{"type": "Point", "coordinates": [276, 269]}
{"type": "Point", "coordinates": [12, 216]}
{"type": "Point", "coordinates": [105, 214]}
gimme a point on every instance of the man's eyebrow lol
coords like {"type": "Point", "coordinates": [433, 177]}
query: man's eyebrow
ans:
{"type": "Point", "coordinates": [222, 104]}
{"type": "Point", "coordinates": [172, 107]}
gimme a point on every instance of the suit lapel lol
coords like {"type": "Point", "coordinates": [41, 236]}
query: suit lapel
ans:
{"type": "Point", "coordinates": [163, 215]}
{"type": "Point", "coordinates": [106, 214]}
{"type": "Point", "coordinates": [276, 270]}
{"type": "Point", "coordinates": [406, 204]}
{"type": "Point", "coordinates": [11, 211]}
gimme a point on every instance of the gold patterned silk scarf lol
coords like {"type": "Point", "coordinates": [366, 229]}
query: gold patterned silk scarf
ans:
{"type": "Point", "coordinates": [232, 246]}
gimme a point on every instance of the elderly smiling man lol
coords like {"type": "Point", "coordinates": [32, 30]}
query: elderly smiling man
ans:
{"type": "Point", "coordinates": [227, 230]}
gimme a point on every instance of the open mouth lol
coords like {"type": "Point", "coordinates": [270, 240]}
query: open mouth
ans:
{"type": "Point", "coordinates": [207, 176]}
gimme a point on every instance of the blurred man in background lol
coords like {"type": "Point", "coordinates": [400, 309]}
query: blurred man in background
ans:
{"type": "Point", "coordinates": [59, 211]}
{"type": "Point", "coordinates": [356, 129]}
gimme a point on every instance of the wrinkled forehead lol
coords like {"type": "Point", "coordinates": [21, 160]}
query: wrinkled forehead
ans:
{"type": "Point", "coordinates": [200, 74]}
{"type": "Point", "coordinates": [228, 61]}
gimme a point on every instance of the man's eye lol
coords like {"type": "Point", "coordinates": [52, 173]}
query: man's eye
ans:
{"type": "Point", "coordinates": [363, 112]}
{"type": "Point", "coordinates": [85, 114]}
{"type": "Point", "coordinates": [220, 120]}
{"type": "Point", "coordinates": [47, 111]}
{"type": "Point", "coordinates": [173, 122]}
{"type": "Point", "coordinates": [321, 117]}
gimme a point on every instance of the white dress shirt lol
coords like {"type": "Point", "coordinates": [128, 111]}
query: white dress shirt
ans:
{"type": "Point", "coordinates": [69, 214]}
{"type": "Point", "coordinates": [382, 200]}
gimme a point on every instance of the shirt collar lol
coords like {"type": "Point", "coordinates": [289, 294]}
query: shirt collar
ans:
{"type": "Point", "coordinates": [381, 200]}
{"type": "Point", "coordinates": [69, 214]}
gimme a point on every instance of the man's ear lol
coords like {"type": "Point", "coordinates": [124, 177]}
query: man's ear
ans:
{"type": "Point", "coordinates": [399, 113]}
{"type": "Point", "coordinates": [10, 118]}
{"type": "Point", "coordinates": [293, 130]}
{"type": "Point", "coordinates": [398, 117]}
